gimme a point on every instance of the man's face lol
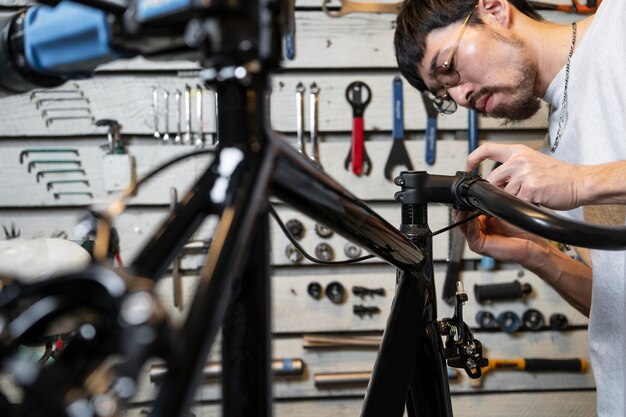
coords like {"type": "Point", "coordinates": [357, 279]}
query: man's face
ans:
{"type": "Point", "coordinates": [497, 74]}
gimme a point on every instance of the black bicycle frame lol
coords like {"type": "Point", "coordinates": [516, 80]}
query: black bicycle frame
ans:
{"type": "Point", "coordinates": [233, 292]}
{"type": "Point", "coordinates": [234, 285]}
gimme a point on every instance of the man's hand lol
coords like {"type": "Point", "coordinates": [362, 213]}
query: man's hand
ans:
{"type": "Point", "coordinates": [490, 236]}
{"type": "Point", "coordinates": [493, 237]}
{"type": "Point", "coordinates": [531, 175]}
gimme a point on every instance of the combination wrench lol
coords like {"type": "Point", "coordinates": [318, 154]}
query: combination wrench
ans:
{"type": "Point", "coordinates": [200, 113]}
{"type": "Point", "coordinates": [300, 117]}
{"type": "Point", "coordinates": [155, 108]}
{"type": "Point", "coordinates": [187, 135]}
{"type": "Point", "coordinates": [179, 118]}
{"type": "Point", "coordinates": [314, 154]}
{"type": "Point", "coordinates": [166, 109]}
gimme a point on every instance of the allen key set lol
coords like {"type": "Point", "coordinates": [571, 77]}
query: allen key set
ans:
{"type": "Point", "coordinates": [189, 116]}
{"type": "Point", "coordinates": [64, 104]}
{"type": "Point", "coordinates": [58, 166]}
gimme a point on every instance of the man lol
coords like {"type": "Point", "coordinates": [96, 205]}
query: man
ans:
{"type": "Point", "coordinates": [500, 58]}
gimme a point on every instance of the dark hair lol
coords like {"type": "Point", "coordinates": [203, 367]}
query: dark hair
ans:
{"type": "Point", "coordinates": [419, 17]}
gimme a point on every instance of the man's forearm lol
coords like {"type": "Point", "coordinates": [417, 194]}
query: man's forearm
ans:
{"type": "Point", "coordinates": [570, 278]}
{"type": "Point", "coordinates": [603, 184]}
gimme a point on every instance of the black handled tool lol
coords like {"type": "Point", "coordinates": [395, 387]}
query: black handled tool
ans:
{"type": "Point", "coordinates": [361, 163]}
{"type": "Point", "coordinates": [505, 291]}
{"type": "Point", "coordinates": [398, 155]}
{"type": "Point", "coordinates": [457, 240]}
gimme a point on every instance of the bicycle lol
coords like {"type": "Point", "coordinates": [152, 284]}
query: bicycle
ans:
{"type": "Point", "coordinates": [118, 316]}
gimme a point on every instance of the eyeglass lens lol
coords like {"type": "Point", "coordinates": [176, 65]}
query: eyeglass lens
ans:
{"type": "Point", "coordinates": [445, 106]}
{"type": "Point", "coordinates": [447, 76]}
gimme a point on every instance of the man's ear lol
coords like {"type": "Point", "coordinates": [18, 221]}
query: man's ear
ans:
{"type": "Point", "coordinates": [500, 10]}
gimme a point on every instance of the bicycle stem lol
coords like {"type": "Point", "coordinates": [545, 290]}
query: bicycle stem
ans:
{"type": "Point", "coordinates": [466, 191]}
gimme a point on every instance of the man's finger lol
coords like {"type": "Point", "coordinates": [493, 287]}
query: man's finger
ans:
{"type": "Point", "coordinates": [495, 151]}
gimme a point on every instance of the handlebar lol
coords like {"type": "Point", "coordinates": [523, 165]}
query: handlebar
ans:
{"type": "Point", "coordinates": [466, 191]}
{"type": "Point", "coordinates": [492, 200]}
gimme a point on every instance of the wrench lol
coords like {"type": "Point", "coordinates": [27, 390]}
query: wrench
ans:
{"type": "Point", "coordinates": [177, 282]}
{"type": "Point", "coordinates": [314, 153]}
{"type": "Point", "coordinates": [290, 31]}
{"type": "Point", "coordinates": [200, 114]}
{"type": "Point", "coordinates": [166, 106]}
{"type": "Point", "coordinates": [357, 156]}
{"type": "Point", "coordinates": [398, 155]}
{"type": "Point", "coordinates": [155, 108]}
{"type": "Point", "coordinates": [348, 6]}
{"type": "Point", "coordinates": [431, 130]}
{"type": "Point", "coordinates": [179, 119]}
{"type": "Point", "coordinates": [457, 240]}
{"type": "Point", "coordinates": [187, 135]}
{"type": "Point", "coordinates": [300, 117]}
{"type": "Point", "coordinates": [216, 138]}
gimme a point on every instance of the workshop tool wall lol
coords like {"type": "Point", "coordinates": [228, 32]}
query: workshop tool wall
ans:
{"type": "Point", "coordinates": [327, 321]}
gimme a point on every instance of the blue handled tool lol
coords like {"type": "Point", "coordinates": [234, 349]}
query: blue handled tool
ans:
{"type": "Point", "coordinates": [290, 31]}
{"type": "Point", "coordinates": [457, 240]}
{"type": "Point", "coordinates": [487, 263]}
{"type": "Point", "coordinates": [431, 130]}
{"type": "Point", "coordinates": [398, 155]}
{"type": "Point", "coordinates": [472, 131]}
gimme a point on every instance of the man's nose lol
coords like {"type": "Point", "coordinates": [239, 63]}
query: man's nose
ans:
{"type": "Point", "coordinates": [462, 94]}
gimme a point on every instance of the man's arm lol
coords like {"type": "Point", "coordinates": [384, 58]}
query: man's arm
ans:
{"type": "Point", "coordinates": [541, 179]}
{"type": "Point", "coordinates": [603, 184]}
{"type": "Point", "coordinates": [570, 278]}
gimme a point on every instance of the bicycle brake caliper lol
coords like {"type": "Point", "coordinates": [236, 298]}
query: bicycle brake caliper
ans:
{"type": "Point", "coordinates": [461, 349]}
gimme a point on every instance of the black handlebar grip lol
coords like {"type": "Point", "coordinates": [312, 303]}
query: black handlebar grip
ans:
{"type": "Point", "coordinates": [567, 365]}
{"type": "Point", "coordinates": [508, 291]}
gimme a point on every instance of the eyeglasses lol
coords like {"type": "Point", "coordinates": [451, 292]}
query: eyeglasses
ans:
{"type": "Point", "coordinates": [448, 77]}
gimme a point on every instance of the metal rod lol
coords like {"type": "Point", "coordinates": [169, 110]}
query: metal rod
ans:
{"type": "Point", "coordinates": [329, 341]}
{"type": "Point", "coordinates": [213, 370]}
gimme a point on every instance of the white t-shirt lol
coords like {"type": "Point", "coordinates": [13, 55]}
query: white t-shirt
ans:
{"type": "Point", "coordinates": [594, 132]}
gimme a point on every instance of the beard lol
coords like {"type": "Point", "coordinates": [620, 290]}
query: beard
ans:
{"type": "Point", "coordinates": [522, 104]}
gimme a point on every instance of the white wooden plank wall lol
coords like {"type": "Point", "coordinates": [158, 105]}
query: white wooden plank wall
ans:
{"type": "Point", "coordinates": [332, 53]}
